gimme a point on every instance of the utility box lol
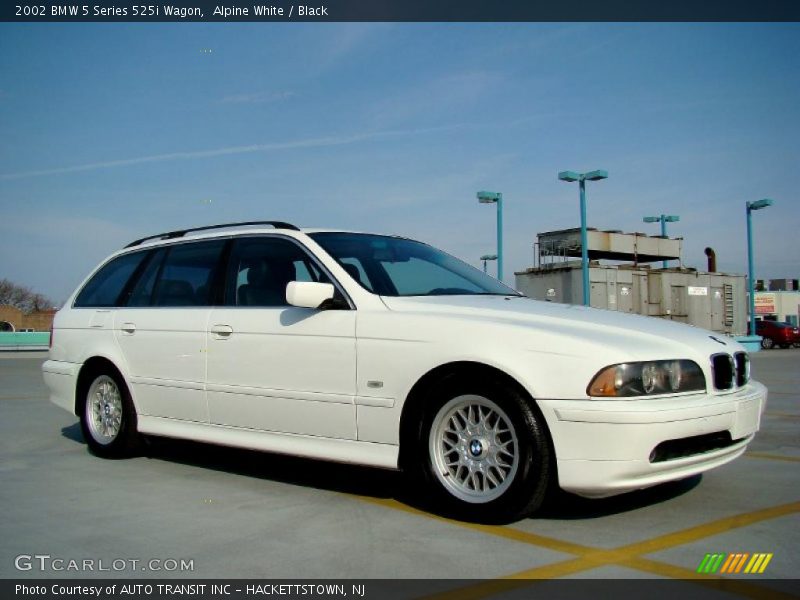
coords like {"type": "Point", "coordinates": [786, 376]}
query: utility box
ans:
{"type": "Point", "coordinates": [713, 301]}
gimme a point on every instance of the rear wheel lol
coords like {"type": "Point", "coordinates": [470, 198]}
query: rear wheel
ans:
{"type": "Point", "coordinates": [767, 343]}
{"type": "Point", "coordinates": [484, 451]}
{"type": "Point", "coordinates": [108, 419]}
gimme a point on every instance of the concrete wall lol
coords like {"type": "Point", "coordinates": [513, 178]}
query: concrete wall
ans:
{"type": "Point", "coordinates": [38, 321]}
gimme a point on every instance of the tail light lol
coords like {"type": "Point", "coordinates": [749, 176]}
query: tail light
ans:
{"type": "Point", "coordinates": [51, 337]}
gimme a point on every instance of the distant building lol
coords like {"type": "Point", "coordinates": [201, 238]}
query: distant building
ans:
{"type": "Point", "coordinates": [783, 285]}
{"type": "Point", "coordinates": [777, 285]}
{"type": "Point", "coordinates": [778, 306]}
{"type": "Point", "coordinates": [13, 319]}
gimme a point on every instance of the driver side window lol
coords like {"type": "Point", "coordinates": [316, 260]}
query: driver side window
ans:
{"type": "Point", "coordinates": [261, 268]}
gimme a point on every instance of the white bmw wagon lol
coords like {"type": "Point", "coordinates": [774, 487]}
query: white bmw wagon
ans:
{"type": "Point", "coordinates": [385, 351]}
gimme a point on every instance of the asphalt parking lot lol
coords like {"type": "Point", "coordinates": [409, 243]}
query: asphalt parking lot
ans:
{"type": "Point", "coordinates": [250, 515]}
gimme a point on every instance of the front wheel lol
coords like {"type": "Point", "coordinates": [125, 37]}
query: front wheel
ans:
{"type": "Point", "coordinates": [108, 419]}
{"type": "Point", "coordinates": [486, 452]}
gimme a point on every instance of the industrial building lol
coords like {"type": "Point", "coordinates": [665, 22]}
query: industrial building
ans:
{"type": "Point", "coordinates": [631, 283]}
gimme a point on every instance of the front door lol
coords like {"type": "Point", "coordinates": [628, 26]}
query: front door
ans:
{"type": "Point", "coordinates": [275, 367]}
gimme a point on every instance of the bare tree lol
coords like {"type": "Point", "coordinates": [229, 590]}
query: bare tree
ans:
{"type": "Point", "coordinates": [23, 297]}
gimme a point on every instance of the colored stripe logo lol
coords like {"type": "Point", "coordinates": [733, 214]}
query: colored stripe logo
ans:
{"type": "Point", "coordinates": [737, 562]}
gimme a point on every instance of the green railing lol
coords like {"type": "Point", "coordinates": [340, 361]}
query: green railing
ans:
{"type": "Point", "coordinates": [24, 340]}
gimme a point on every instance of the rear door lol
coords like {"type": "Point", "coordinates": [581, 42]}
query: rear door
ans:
{"type": "Point", "coordinates": [162, 329]}
{"type": "Point", "coordinates": [275, 367]}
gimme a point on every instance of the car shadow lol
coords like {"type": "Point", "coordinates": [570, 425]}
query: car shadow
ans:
{"type": "Point", "coordinates": [292, 470]}
{"type": "Point", "coordinates": [73, 433]}
{"type": "Point", "coordinates": [564, 506]}
{"type": "Point", "coordinates": [379, 483]}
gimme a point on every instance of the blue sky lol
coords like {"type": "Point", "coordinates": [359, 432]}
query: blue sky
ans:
{"type": "Point", "coordinates": [109, 132]}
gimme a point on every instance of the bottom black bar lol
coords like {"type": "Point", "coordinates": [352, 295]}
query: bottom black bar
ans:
{"type": "Point", "coordinates": [391, 589]}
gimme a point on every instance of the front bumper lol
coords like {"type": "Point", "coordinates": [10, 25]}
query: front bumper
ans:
{"type": "Point", "coordinates": [604, 447]}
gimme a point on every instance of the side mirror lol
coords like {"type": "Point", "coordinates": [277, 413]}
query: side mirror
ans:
{"type": "Point", "coordinates": [308, 294]}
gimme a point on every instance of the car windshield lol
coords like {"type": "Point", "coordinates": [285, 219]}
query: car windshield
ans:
{"type": "Point", "coordinates": [391, 266]}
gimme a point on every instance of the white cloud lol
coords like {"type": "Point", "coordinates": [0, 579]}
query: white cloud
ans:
{"type": "Point", "coordinates": [319, 142]}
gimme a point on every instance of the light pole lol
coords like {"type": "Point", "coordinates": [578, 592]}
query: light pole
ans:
{"type": "Point", "coordinates": [581, 179]}
{"type": "Point", "coordinates": [486, 258]}
{"type": "Point", "coordinates": [496, 198]}
{"type": "Point", "coordinates": [751, 206]}
{"type": "Point", "coordinates": [664, 220]}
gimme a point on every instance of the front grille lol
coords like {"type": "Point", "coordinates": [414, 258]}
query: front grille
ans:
{"type": "Point", "coordinates": [698, 444]}
{"type": "Point", "coordinates": [742, 368]}
{"type": "Point", "coordinates": [724, 371]}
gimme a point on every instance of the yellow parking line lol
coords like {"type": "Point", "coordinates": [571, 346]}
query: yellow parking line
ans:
{"type": "Point", "coordinates": [508, 533]}
{"type": "Point", "coordinates": [773, 456]}
{"type": "Point", "coordinates": [778, 415]}
{"type": "Point", "coordinates": [699, 532]}
{"type": "Point", "coordinates": [559, 569]}
{"type": "Point", "coordinates": [588, 558]}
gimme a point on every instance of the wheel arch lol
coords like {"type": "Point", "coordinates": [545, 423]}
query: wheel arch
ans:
{"type": "Point", "coordinates": [414, 405]}
{"type": "Point", "coordinates": [93, 365]}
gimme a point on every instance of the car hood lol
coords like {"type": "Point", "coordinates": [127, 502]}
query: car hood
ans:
{"type": "Point", "coordinates": [632, 334]}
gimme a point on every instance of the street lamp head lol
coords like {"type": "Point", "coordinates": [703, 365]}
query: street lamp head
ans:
{"type": "Point", "coordinates": [672, 218]}
{"type": "Point", "coordinates": [489, 257]}
{"type": "Point", "coordinates": [569, 176]}
{"type": "Point", "coordinates": [759, 204]}
{"type": "Point", "coordinates": [651, 219]}
{"type": "Point", "coordinates": [489, 197]}
{"type": "Point", "coordinates": [596, 175]}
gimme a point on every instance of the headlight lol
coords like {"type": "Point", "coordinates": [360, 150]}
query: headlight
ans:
{"type": "Point", "coordinates": [647, 379]}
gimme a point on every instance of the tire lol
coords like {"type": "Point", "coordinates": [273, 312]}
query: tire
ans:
{"type": "Point", "coordinates": [796, 344]}
{"type": "Point", "coordinates": [767, 343]}
{"type": "Point", "coordinates": [483, 451]}
{"type": "Point", "coordinates": [108, 418]}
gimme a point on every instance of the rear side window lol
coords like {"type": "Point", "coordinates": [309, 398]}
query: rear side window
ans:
{"type": "Point", "coordinates": [187, 275]}
{"type": "Point", "coordinates": [142, 292]}
{"type": "Point", "coordinates": [105, 287]}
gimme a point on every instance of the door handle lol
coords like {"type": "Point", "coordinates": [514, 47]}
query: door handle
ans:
{"type": "Point", "coordinates": [221, 331]}
{"type": "Point", "coordinates": [128, 327]}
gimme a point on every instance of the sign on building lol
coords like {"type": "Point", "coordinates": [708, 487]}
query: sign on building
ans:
{"type": "Point", "coordinates": [765, 304]}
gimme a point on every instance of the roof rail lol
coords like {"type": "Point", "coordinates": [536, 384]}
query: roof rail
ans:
{"type": "Point", "coordinates": [181, 232]}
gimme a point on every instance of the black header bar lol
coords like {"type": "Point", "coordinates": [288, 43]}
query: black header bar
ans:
{"type": "Point", "coordinates": [401, 10]}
